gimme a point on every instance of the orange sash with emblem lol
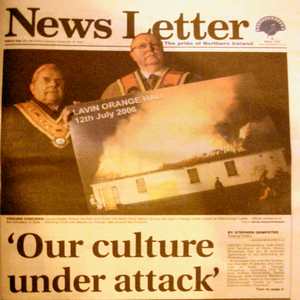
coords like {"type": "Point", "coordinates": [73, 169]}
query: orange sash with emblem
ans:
{"type": "Point", "coordinates": [133, 83]}
{"type": "Point", "coordinates": [55, 130]}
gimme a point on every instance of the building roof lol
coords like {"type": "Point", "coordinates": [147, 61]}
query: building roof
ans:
{"type": "Point", "coordinates": [216, 155]}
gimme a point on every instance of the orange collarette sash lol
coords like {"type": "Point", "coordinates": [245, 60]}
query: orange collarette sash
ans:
{"type": "Point", "coordinates": [55, 130]}
{"type": "Point", "coordinates": [134, 83]}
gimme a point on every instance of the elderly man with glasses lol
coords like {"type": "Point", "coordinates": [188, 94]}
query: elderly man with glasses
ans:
{"type": "Point", "coordinates": [147, 52]}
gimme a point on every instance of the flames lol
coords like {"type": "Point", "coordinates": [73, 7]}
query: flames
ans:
{"type": "Point", "coordinates": [178, 127]}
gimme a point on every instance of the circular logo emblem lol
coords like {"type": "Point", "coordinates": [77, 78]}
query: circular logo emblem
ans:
{"type": "Point", "coordinates": [270, 25]}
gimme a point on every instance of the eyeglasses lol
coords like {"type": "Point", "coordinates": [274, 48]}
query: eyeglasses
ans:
{"type": "Point", "coordinates": [143, 46]}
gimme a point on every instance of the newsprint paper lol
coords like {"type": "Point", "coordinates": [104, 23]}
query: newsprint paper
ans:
{"type": "Point", "coordinates": [150, 149]}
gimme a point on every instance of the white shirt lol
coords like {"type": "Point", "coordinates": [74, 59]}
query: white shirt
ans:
{"type": "Point", "coordinates": [157, 73]}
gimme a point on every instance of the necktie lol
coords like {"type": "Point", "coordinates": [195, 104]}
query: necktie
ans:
{"type": "Point", "coordinates": [152, 80]}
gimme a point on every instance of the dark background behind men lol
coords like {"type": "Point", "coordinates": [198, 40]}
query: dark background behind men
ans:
{"type": "Point", "coordinates": [87, 80]}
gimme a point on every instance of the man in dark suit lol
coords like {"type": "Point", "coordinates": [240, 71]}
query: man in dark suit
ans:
{"type": "Point", "coordinates": [39, 171]}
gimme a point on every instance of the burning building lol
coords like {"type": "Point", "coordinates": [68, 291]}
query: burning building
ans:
{"type": "Point", "coordinates": [191, 176]}
{"type": "Point", "coordinates": [165, 143]}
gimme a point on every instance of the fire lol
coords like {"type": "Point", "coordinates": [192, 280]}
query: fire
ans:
{"type": "Point", "coordinates": [178, 127]}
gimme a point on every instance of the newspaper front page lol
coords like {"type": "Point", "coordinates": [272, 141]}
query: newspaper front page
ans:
{"type": "Point", "coordinates": [149, 150]}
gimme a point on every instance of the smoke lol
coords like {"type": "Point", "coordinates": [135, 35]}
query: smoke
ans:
{"type": "Point", "coordinates": [187, 122]}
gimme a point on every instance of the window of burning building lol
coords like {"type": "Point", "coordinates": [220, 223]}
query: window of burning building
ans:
{"type": "Point", "coordinates": [141, 185]}
{"type": "Point", "coordinates": [231, 168]}
{"type": "Point", "coordinates": [193, 175]}
{"type": "Point", "coordinates": [115, 194]}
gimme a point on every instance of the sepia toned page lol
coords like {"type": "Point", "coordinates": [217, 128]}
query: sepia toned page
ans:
{"type": "Point", "coordinates": [149, 150]}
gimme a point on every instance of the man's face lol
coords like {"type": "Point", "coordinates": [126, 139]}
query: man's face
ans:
{"type": "Point", "coordinates": [48, 87]}
{"type": "Point", "coordinates": [147, 52]}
